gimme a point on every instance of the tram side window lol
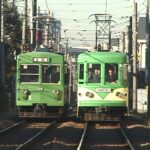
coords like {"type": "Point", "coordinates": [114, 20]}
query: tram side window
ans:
{"type": "Point", "coordinates": [111, 73]}
{"type": "Point", "coordinates": [81, 71]}
{"type": "Point", "coordinates": [50, 74]}
{"type": "Point", "coordinates": [94, 73]}
{"type": "Point", "coordinates": [29, 73]}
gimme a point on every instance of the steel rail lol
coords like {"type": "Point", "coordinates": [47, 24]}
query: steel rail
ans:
{"type": "Point", "coordinates": [25, 145]}
{"type": "Point", "coordinates": [82, 137]}
{"type": "Point", "coordinates": [126, 138]}
{"type": "Point", "coordinates": [11, 127]}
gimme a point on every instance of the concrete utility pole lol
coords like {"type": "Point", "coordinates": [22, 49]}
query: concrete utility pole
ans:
{"type": "Point", "coordinates": [24, 30]}
{"type": "Point", "coordinates": [127, 39]}
{"type": "Point", "coordinates": [134, 56]}
{"type": "Point", "coordinates": [1, 44]}
{"type": "Point", "coordinates": [0, 16]}
{"type": "Point", "coordinates": [33, 23]}
{"type": "Point", "coordinates": [47, 33]}
{"type": "Point", "coordinates": [2, 21]}
{"type": "Point", "coordinates": [130, 104]}
{"type": "Point", "coordinates": [147, 77]}
{"type": "Point", "coordinates": [123, 42]}
{"type": "Point", "coordinates": [38, 28]}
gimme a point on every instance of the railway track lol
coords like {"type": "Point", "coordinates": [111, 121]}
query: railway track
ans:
{"type": "Point", "coordinates": [21, 135]}
{"type": "Point", "coordinates": [127, 139]}
{"type": "Point", "coordinates": [15, 125]}
{"type": "Point", "coordinates": [64, 137]}
{"type": "Point", "coordinates": [101, 137]}
{"type": "Point", "coordinates": [69, 135]}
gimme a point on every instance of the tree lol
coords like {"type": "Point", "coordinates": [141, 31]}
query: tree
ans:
{"type": "Point", "coordinates": [12, 28]}
{"type": "Point", "coordinates": [12, 43]}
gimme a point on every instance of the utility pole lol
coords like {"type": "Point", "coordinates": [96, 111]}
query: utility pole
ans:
{"type": "Point", "coordinates": [96, 35]}
{"type": "Point", "coordinates": [2, 44]}
{"type": "Point", "coordinates": [147, 77]}
{"type": "Point", "coordinates": [13, 2]}
{"type": "Point", "coordinates": [134, 56]}
{"type": "Point", "coordinates": [130, 104]}
{"type": "Point", "coordinates": [24, 26]}
{"type": "Point", "coordinates": [2, 21]}
{"type": "Point", "coordinates": [123, 42]}
{"type": "Point", "coordinates": [127, 39]}
{"type": "Point", "coordinates": [66, 48]}
{"type": "Point", "coordinates": [38, 28]}
{"type": "Point", "coordinates": [33, 23]}
{"type": "Point", "coordinates": [47, 29]}
{"type": "Point", "coordinates": [0, 17]}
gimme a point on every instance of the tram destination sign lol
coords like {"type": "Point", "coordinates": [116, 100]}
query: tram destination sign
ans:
{"type": "Point", "coordinates": [103, 90]}
{"type": "Point", "coordinates": [40, 59]}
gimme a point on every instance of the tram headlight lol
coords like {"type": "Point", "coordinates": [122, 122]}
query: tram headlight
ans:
{"type": "Point", "coordinates": [121, 95]}
{"type": "Point", "coordinates": [26, 94]}
{"type": "Point", "coordinates": [89, 94]}
{"type": "Point", "coordinates": [57, 92]}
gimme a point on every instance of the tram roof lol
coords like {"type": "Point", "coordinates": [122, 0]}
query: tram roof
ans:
{"type": "Point", "coordinates": [105, 57]}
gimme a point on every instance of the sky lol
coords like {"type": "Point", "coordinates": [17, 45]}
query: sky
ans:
{"type": "Point", "coordinates": [79, 28]}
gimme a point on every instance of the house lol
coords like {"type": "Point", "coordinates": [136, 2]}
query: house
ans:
{"type": "Point", "coordinates": [142, 42]}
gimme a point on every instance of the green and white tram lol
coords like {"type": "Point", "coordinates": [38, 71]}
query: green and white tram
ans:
{"type": "Point", "coordinates": [102, 85]}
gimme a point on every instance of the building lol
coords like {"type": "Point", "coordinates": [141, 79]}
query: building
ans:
{"type": "Point", "coordinates": [142, 42]}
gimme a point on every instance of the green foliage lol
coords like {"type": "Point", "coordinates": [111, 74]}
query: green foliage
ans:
{"type": "Point", "coordinates": [12, 26]}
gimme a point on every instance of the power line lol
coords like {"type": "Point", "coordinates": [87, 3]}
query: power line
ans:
{"type": "Point", "coordinates": [47, 5]}
{"type": "Point", "coordinates": [88, 3]}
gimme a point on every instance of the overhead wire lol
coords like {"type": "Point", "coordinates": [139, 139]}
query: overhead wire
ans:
{"type": "Point", "coordinates": [47, 5]}
{"type": "Point", "coordinates": [85, 11]}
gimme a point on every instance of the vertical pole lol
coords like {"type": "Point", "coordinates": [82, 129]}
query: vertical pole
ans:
{"type": "Point", "coordinates": [127, 50]}
{"type": "Point", "coordinates": [13, 2]}
{"type": "Point", "coordinates": [70, 79]}
{"type": "Point", "coordinates": [37, 28]}
{"type": "Point", "coordinates": [147, 78]}
{"type": "Point", "coordinates": [109, 38]}
{"type": "Point", "coordinates": [47, 29]}
{"type": "Point", "coordinates": [127, 40]}
{"type": "Point", "coordinates": [0, 16]}
{"type": "Point", "coordinates": [2, 45]}
{"type": "Point", "coordinates": [24, 26]}
{"type": "Point", "coordinates": [66, 48]}
{"type": "Point", "coordinates": [123, 42]}
{"type": "Point", "coordinates": [131, 70]}
{"type": "Point", "coordinates": [118, 43]}
{"type": "Point", "coordinates": [96, 36]}
{"type": "Point", "coordinates": [2, 21]}
{"type": "Point", "coordinates": [33, 23]}
{"type": "Point", "coordinates": [134, 56]}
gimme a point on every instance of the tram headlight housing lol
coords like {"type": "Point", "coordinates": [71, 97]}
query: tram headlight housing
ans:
{"type": "Point", "coordinates": [89, 94]}
{"type": "Point", "coordinates": [57, 92]}
{"type": "Point", "coordinates": [121, 95]}
{"type": "Point", "coordinates": [26, 94]}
